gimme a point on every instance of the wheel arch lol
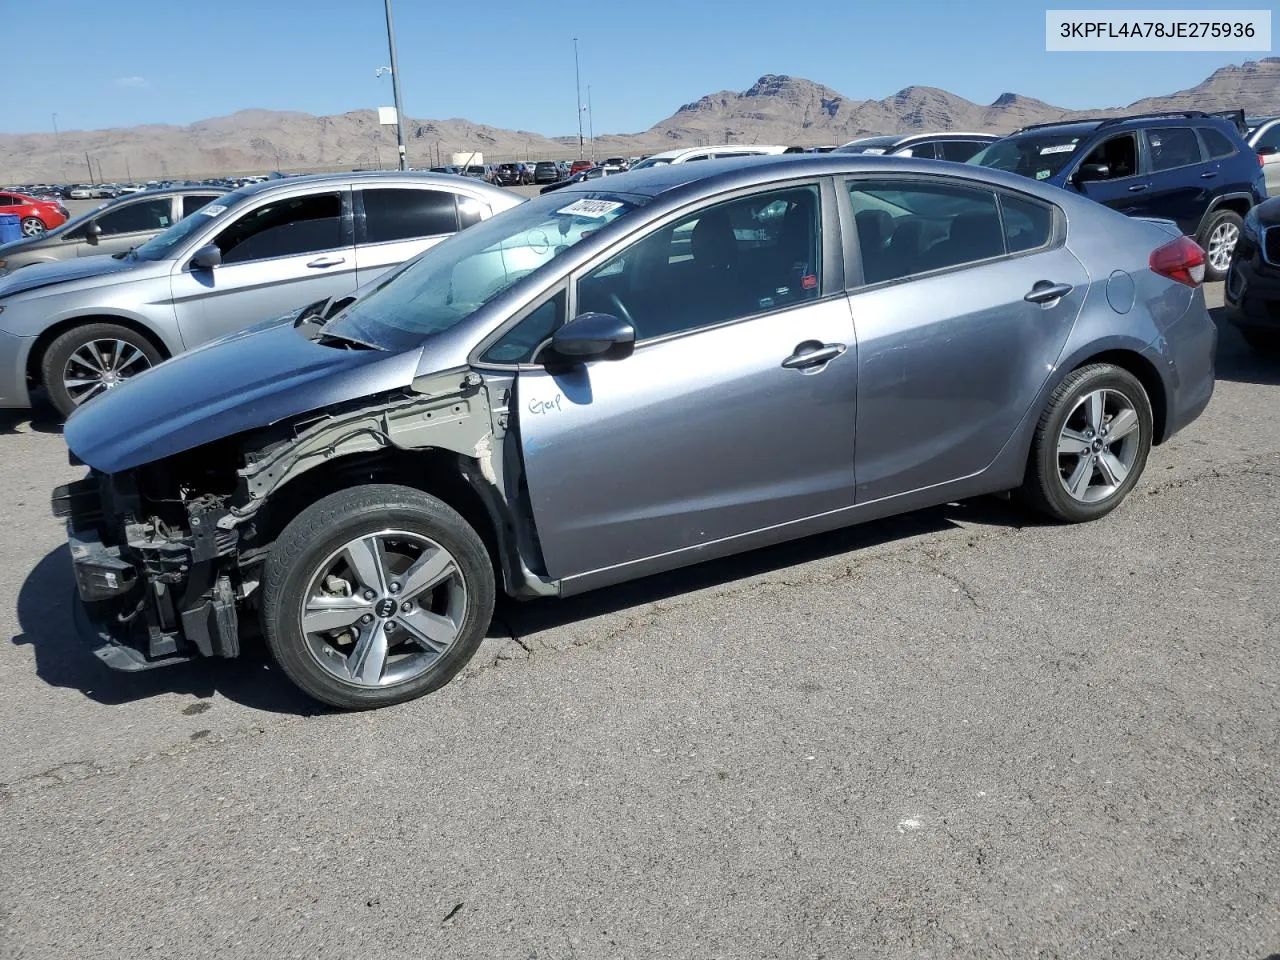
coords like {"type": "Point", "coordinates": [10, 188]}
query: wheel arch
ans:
{"type": "Point", "coordinates": [35, 356]}
{"type": "Point", "coordinates": [1237, 203]}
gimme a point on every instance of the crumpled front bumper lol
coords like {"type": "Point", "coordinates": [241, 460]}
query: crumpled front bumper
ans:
{"type": "Point", "coordinates": [145, 604]}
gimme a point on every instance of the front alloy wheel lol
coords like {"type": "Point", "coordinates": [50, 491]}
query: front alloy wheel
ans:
{"type": "Point", "coordinates": [87, 361]}
{"type": "Point", "coordinates": [375, 595]}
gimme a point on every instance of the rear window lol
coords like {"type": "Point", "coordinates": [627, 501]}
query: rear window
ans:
{"type": "Point", "coordinates": [1217, 142]}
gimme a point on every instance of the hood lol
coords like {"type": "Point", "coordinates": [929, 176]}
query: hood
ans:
{"type": "Point", "coordinates": [247, 380]}
{"type": "Point", "coordinates": [63, 271]}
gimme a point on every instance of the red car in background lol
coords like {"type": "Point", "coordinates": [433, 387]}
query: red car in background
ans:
{"type": "Point", "coordinates": [579, 166]}
{"type": "Point", "coordinates": [37, 216]}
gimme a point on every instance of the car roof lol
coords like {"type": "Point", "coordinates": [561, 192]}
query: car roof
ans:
{"type": "Point", "coordinates": [710, 148]}
{"type": "Point", "coordinates": [365, 177]}
{"type": "Point", "coordinates": [713, 176]}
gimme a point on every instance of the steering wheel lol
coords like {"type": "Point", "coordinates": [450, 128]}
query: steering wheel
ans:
{"type": "Point", "coordinates": [623, 312]}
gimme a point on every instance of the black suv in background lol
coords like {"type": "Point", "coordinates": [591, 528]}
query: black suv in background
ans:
{"type": "Point", "coordinates": [546, 171]}
{"type": "Point", "coordinates": [1190, 167]}
{"type": "Point", "coordinates": [512, 174]}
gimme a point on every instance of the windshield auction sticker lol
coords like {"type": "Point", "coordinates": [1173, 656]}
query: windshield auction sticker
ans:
{"type": "Point", "coordinates": [594, 209]}
{"type": "Point", "coordinates": [1169, 31]}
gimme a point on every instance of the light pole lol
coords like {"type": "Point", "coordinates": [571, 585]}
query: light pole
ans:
{"type": "Point", "coordinates": [395, 88]}
{"type": "Point", "coordinates": [577, 77]}
{"type": "Point", "coordinates": [62, 161]}
{"type": "Point", "coordinates": [591, 124]}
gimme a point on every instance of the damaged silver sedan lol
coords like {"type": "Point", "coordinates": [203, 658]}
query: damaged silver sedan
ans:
{"type": "Point", "coordinates": [618, 379]}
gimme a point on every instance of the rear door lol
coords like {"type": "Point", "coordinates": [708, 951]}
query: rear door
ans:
{"type": "Point", "coordinates": [281, 254]}
{"type": "Point", "coordinates": [951, 354]}
{"type": "Point", "coordinates": [1182, 179]}
{"type": "Point", "coordinates": [396, 223]}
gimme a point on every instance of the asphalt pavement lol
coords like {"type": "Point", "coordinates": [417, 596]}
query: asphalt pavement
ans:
{"type": "Point", "coordinates": [959, 733]}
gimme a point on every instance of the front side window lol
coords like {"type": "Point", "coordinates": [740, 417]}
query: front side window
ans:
{"type": "Point", "coordinates": [908, 227]}
{"type": "Point", "coordinates": [136, 217]}
{"type": "Point", "coordinates": [1118, 154]}
{"type": "Point", "coordinates": [925, 150]}
{"type": "Point", "coordinates": [1172, 147]}
{"type": "Point", "coordinates": [287, 227]}
{"type": "Point", "coordinates": [520, 343]}
{"type": "Point", "coordinates": [728, 261]}
{"type": "Point", "coordinates": [399, 214]}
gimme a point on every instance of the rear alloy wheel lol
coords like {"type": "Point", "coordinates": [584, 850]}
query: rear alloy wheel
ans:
{"type": "Point", "coordinates": [32, 227]}
{"type": "Point", "coordinates": [1091, 444]}
{"type": "Point", "coordinates": [1219, 239]}
{"type": "Point", "coordinates": [87, 361]}
{"type": "Point", "coordinates": [375, 595]}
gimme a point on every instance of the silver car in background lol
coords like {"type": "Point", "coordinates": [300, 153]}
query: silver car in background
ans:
{"type": "Point", "coordinates": [623, 377]}
{"type": "Point", "coordinates": [117, 225]}
{"type": "Point", "coordinates": [81, 327]}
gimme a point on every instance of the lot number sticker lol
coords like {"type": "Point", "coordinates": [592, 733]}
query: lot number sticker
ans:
{"type": "Point", "coordinates": [1059, 148]}
{"type": "Point", "coordinates": [595, 209]}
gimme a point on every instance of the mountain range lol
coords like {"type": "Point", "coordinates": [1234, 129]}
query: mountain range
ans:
{"type": "Point", "coordinates": [775, 109]}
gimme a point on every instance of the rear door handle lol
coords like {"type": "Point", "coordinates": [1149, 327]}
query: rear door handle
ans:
{"type": "Point", "coordinates": [1208, 174]}
{"type": "Point", "coordinates": [327, 261]}
{"type": "Point", "coordinates": [1045, 290]}
{"type": "Point", "coordinates": [1139, 187]}
{"type": "Point", "coordinates": [813, 353]}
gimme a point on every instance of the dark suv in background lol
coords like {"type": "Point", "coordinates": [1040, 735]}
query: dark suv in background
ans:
{"type": "Point", "coordinates": [1190, 167]}
{"type": "Point", "coordinates": [546, 171]}
{"type": "Point", "coordinates": [512, 175]}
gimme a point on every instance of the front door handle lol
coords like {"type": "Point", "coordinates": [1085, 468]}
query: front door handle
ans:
{"type": "Point", "coordinates": [1139, 187]}
{"type": "Point", "coordinates": [1045, 290]}
{"type": "Point", "coordinates": [1208, 174]}
{"type": "Point", "coordinates": [327, 261]}
{"type": "Point", "coordinates": [813, 353]}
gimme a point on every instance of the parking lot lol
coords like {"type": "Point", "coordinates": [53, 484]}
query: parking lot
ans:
{"type": "Point", "coordinates": [957, 733]}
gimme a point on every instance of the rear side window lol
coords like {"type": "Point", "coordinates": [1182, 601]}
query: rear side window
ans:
{"type": "Point", "coordinates": [399, 214]}
{"type": "Point", "coordinates": [1028, 224]}
{"type": "Point", "coordinates": [1216, 142]}
{"type": "Point", "coordinates": [907, 227]}
{"type": "Point", "coordinates": [1172, 147]}
{"type": "Point", "coordinates": [958, 151]}
{"type": "Point", "coordinates": [194, 201]}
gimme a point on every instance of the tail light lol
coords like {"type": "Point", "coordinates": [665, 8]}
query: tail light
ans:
{"type": "Point", "coordinates": [1182, 260]}
{"type": "Point", "coordinates": [1262, 160]}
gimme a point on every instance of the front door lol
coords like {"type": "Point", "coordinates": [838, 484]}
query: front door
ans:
{"type": "Point", "coordinates": [1126, 187]}
{"type": "Point", "coordinates": [279, 256]}
{"type": "Point", "coordinates": [734, 413]}
{"type": "Point", "coordinates": [951, 353]}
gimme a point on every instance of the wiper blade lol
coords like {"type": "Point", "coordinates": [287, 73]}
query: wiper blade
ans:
{"type": "Point", "coordinates": [337, 338]}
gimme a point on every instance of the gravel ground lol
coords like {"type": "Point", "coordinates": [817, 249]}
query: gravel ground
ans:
{"type": "Point", "coordinates": [961, 733]}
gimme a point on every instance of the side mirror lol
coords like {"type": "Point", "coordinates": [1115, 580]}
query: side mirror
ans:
{"type": "Point", "coordinates": [594, 336]}
{"type": "Point", "coordinates": [206, 258]}
{"type": "Point", "coordinates": [91, 233]}
{"type": "Point", "coordinates": [1093, 171]}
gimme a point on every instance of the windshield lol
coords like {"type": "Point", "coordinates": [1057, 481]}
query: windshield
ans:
{"type": "Point", "coordinates": [869, 145]}
{"type": "Point", "coordinates": [1035, 155]}
{"type": "Point", "coordinates": [448, 282]}
{"type": "Point", "coordinates": [163, 244]}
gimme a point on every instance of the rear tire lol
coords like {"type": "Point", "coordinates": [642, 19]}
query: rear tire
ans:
{"type": "Point", "coordinates": [33, 227]}
{"type": "Point", "coordinates": [106, 351]}
{"type": "Point", "coordinates": [1218, 239]}
{"type": "Point", "coordinates": [1090, 446]}
{"type": "Point", "coordinates": [308, 572]}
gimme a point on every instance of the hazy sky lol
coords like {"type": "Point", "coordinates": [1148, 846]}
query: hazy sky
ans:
{"type": "Point", "coordinates": [510, 64]}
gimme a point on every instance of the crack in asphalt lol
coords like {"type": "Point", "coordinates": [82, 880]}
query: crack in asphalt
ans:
{"type": "Point", "coordinates": [888, 553]}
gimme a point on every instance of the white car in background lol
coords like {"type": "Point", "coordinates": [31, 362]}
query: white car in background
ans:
{"type": "Point", "coordinates": [689, 154]}
{"type": "Point", "coordinates": [1264, 138]}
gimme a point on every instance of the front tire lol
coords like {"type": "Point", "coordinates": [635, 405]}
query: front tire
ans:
{"type": "Point", "coordinates": [89, 360]}
{"type": "Point", "coordinates": [1091, 444]}
{"type": "Point", "coordinates": [1219, 238]}
{"type": "Point", "coordinates": [376, 595]}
